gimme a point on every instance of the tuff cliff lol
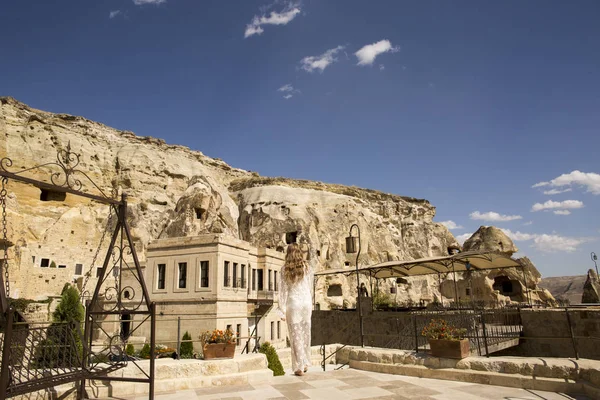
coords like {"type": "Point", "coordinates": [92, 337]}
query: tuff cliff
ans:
{"type": "Point", "coordinates": [174, 191]}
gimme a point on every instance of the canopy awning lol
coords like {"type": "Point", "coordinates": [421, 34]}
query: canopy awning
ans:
{"type": "Point", "coordinates": [469, 260]}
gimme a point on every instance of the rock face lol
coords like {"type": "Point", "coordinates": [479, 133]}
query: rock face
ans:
{"type": "Point", "coordinates": [591, 288]}
{"type": "Point", "coordinates": [502, 285]}
{"type": "Point", "coordinates": [174, 191]}
{"type": "Point", "coordinates": [490, 238]}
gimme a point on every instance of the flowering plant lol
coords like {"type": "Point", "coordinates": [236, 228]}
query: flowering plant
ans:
{"type": "Point", "coordinates": [440, 329]}
{"type": "Point", "coordinates": [217, 336]}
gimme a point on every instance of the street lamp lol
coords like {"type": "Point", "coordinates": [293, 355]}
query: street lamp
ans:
{"type": "Point", "coordinates": [594, 259]}
{"type": "Point", "coordinates": [353, 246]}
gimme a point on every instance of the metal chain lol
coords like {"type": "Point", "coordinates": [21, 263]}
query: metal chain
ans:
{"type": "Point", "coordinates": [106, 229]}
{"type": "Point", "coordinates": [4, 235]}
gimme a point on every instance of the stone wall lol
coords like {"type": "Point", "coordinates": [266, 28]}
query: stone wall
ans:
{"type": "Point", "coordinates": [546, 332]}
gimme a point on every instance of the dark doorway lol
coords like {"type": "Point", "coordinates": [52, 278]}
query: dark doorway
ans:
{"type": "Point", "coordinates": [125, 326]}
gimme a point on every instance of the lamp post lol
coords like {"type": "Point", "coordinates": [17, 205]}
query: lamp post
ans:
{"type": "Point", "coordinates": [468, 268]}
{"type": "Point", "coordinates": [594, 259]}
{"type": "Point", "coordinates": [353, 246]}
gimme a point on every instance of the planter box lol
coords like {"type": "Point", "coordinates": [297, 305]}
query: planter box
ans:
{"type": "Point", "coordinates": [218, 350]}
{"type": "Point", "coordinates": [449, 348]}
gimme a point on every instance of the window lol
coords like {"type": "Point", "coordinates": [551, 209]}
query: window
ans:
{"type": "Point", "coordinates": [161, 272]}
{"type": "Point", "coordinates": [272, 330]}
{"type": "Point", "coordinates": [99, 272]}
{"type": "Point", "coordinates": [45, 263]}
{"type": "Point", "coordinates": [270, 280]}
{"type": "Point", "coordinates": [278, 329]}
{"type": "Point", "coordinates": [238, 333]}
{"type": "Point", "coordinates": [253, 279]}
{"type": "Point", "coordinates": [229, 328]}
{"type": "Point", "coordinates": [235, 282]}
{"type": "Point", "coordinates": [290, 237]}
{"type": "Point", "coordinates": [203, 273]}
{"type": "Point", "coordinates": [468, 291]}
{"type": "Point", "coordinates": [259, 278]}
{"type": "Point", "coordinates": [78, 269]}
{"type": "Point", "coordinates": [182, 275]}
{"type": "Point", "coordinates": [62, 266]}
{"type": "Point", "coordinates": [226, 274]}
{"type": "Point", "coordinates": [199, 213]}
{"type": "Point", "coordinates": [243, 275]}
{"type": "Point", "coordinates": [275, 279]}
{"type": "Point", "coordinates": [51, 195]}
{"type": "Point", "coordinates": [33, 259]}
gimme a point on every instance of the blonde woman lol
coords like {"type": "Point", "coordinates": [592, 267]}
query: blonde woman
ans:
{"type": "Point", "coordinates": [295, 305]}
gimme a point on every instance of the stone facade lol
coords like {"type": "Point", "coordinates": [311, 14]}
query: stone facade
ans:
{"type": "Point", "coordinates": [211, 282]}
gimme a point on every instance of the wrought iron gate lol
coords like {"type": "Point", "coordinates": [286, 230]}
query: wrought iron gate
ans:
{"type": "Point", "coordinates": [41, 356]}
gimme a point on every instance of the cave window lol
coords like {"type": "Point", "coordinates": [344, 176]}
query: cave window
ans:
{"type": "Point", "coordinates": [279, 249]}
{"type": "Point", "coordinates": [199, 212]}
{"type": "Point", "coordinates": [334, 290]}
{"type": "Point", "coordinates": [290, 237]}
{"type": "Point", "coordinates": [468, 291]}
{"type": "Point", "coordinates": [45, 263]}
{"type": "Point", "coordinates": [346, 263]}
{"type": "Point", "coordinates": [62, 266]}
{"type": "Point", "coordinates": [51, 195]}
{"type": "Point", "coordinates": [318, 306]}
{"type": "Point", "coordinates": [318, 253]}
{"type": "Point", "coordinates": [504, 285]}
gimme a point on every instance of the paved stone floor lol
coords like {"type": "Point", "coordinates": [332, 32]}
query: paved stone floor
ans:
{"type": "Point", "coordinates": [356, 384]}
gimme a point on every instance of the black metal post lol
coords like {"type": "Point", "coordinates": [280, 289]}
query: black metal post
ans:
{"type": "Point", "coordinates": [359, 303]}
{"type": "Point", "coordinates": [573, 341]}
{"type": "Point", "coordinates": [323, 354]}
{"type": "Point", "coordinates": [416, 333]}
{"type": "Point", "coordinates": [152, 348]}
{"type": "Point", "coordinates": [485, 341]}
{"type": "Point", "coordinates": [455, 286]}
{"type": "Point", "coordinates": [6, 352]}
{"type": "Point", "coordinates": [178, 336]}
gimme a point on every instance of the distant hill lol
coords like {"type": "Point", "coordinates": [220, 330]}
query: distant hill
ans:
{"type": "Point", "coordinates": [565, 287]}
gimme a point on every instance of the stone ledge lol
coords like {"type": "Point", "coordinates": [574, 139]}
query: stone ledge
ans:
{"type": "Point", "coordinates": [550, 374]}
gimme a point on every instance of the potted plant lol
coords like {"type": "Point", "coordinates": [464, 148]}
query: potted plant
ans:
{"type": "Point", "coordinates": [446, 340]}
{"type": "Point", "coordinates": [218, 344]}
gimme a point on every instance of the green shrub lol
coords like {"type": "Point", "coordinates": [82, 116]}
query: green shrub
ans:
{"type": "Point", "coordinates": [187, 347]}
{"type": "Point", "coordinates": [272, 358]}
{"type": "Point", "coordinates": [129, 350]}
{"type": "Point", "coordinates": [145, 352]}
{"type": "Point", "coordinates": [57, 349]}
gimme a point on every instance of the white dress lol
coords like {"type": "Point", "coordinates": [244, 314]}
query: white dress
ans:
{"type": "Point", "coordinates": [295, 303]}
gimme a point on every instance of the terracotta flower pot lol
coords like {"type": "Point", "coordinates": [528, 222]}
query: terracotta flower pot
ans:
{"type": "Point", "coordinates": [449, 348]}
{"type": "Point", "coordinates": [218, 350]}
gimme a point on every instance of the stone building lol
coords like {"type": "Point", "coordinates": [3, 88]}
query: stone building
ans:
{"type": "Point", "coordinates": [213, 281]}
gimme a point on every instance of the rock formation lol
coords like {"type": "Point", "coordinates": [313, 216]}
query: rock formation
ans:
{"type": "Point", "coordinates": [591, 288]}
{"type": "Point", "coordinates": [174, 191]}
{"type": "Point", "coordinates": [490, 238]}
{"type": "Point", "coordinates": [565, 288]}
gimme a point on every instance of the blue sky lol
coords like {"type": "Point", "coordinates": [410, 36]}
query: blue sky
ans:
{"type": "Point", "coordinates": [465, 103]}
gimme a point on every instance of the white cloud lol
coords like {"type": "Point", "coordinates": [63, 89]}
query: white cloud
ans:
{"type": "Point", "coordinates": [556, 191]}
{"type": "Point", "coordinates": [114, 14]}
{"type": "Point", "coordinates": [142, 2]}
{"type": "Point", "coordinates": [528, 223]}
{"type": "Point", "coordinates": [367, 54]}
{"type": "Point", "coordinates": [590, 180]}
{"type": "Point", "coordinates": [288, 91]}
{"type": "Point", "coordinates": [311, 63]}
{"type": "Point", "coordinates": [286, 15]}
{"type": "Point", "coordinates": [550, 204]}
{"type": "Point", "coordinates": [461, 238]}
{"type": "Point", "coordinates": [548, 243]}
{"type": "Point", "coordinates": [493, 216]}
{"type": "Point", "coordinates": [451, 225]}
{"type": "Point", "coordinates": [562, 212]}
{"type": "Point", "coordinates": [381, 67]}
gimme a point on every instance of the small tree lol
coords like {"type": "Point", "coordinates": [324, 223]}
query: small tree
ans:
{"type": "Point", "coordinates": [187, 347]}
{"type": "Point", "coordinates": [62, 346]}
{"type": "Point", "coordinates": [272, 358]}
{"type": "Point", "coordinates": [129, 349]}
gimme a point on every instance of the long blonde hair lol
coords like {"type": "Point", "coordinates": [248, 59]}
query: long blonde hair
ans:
{"type": "Point", "coordinates": [295, 267]}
